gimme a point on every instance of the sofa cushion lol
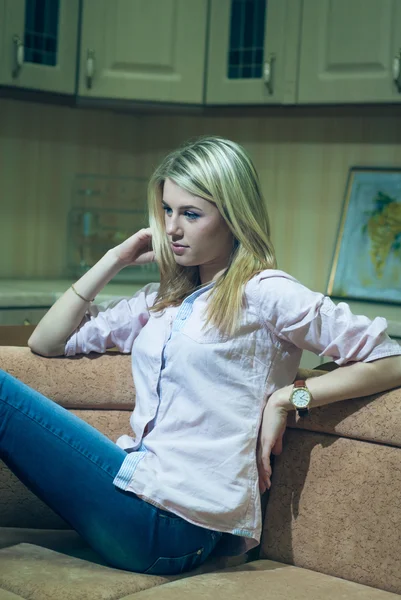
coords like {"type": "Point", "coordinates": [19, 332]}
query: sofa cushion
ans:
{"type": "Point", "coordinates": [42, 574]}
{"type": "Point", "coordinates": [334, 506]}
{"type": "Point", "coordinates": [263, 580]}
{"type": "Point", "coordinates": [66, 540]}
{"type": "Point", "coordinates": [82, 381]}
{"type": "Point", "coordinates": [39, 573]}
{"type": "Point", "coordinates": [4, 595]}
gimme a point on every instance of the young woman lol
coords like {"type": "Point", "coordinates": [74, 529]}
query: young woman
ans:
{"type": "Point", "coordinates": [215, 350]}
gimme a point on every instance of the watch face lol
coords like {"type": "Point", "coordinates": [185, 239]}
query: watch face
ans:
{"type": "Point", "coordinates": [300, 398]}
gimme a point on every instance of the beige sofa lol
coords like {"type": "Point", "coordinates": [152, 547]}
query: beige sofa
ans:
{"type": "Point", "coordinates": [332, 520]}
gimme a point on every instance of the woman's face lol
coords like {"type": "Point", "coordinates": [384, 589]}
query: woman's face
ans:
{"type": "Point", "coordinates": [195, 225]}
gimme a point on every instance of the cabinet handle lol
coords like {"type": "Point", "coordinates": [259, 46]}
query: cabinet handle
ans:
{"type": "Point", "coordinates": [90, 68]}
{"type": "Point", "coordinates": [18, 55]}
{"type": "Point", "coordinates": [27, 322]}
{"type": "Point", "coordinates": [268, 73]}
{"type": "Point", "coordinates": [397, 70]}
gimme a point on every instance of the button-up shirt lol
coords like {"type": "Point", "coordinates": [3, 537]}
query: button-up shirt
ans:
{"type": "Point", "coordinates": [200, 394]}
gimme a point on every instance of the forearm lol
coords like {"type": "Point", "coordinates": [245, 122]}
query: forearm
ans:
{"type": "Point", "coordinates": [351, 381]}
{"type": "Point", "coordinates": [50, 335]}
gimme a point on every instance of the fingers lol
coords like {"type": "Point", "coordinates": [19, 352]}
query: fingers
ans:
{"type": "Point", "coordinates": [264, 482]}
{"type": "Point", "coordinates": [145, 258]}
{"type": "Point", "coordinates": [266, 464]}
{"type": "Point", "coordinates": [265, 473]}
{"type": "Point", "coordinates": [278, 447]}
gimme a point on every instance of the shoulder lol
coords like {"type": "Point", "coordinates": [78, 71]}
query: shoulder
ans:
{"type": "Point", "coordinates": [150, 289]}
{"type": "Point", "coordinates": [148, 293]}
{"type": "Point", "coordinates": [280, 295]}
{"type": "Point", "coordinates": [142, 300]}
{"type": "Point", "coordinates": [273, 282]}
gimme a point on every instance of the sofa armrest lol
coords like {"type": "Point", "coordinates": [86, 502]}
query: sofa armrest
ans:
{"type": "Point", "coordinates": [83, 381]}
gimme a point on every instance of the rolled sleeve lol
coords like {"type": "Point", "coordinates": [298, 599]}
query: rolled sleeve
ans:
{"type": "Point", "coordinates": [311, 321]}
{"type": "Point", "coordinates": [114, 324]}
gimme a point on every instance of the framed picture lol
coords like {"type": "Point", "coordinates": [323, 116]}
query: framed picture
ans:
{"type": "Point", "coordinates": [367, 257]}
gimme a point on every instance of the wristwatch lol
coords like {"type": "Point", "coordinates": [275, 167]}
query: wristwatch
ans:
{"type": "Point", "coordinates": [301, 397]}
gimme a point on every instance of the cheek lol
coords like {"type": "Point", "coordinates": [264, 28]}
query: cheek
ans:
{"type": "Point", "coordinates": [206, 238]}
{"type": "Point", "coordinates": [210, 229]}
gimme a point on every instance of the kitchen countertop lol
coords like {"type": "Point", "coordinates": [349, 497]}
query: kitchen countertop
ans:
{"type": "Point", "coordinates": [39, 293]}
{"type": "Point", "coordinates": [42, 293]}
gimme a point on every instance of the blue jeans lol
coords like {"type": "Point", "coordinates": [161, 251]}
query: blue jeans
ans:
{"type": "Point", "coordinates": [71, 467]}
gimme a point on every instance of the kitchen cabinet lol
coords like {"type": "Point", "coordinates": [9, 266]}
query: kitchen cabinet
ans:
{"type": "Point", "coordinates": [252, 51]}
{"type": "Point", "coordinates": [39, 44]}
{"type": "Point", "coordinates": [144, 50]}
{"type": "Point", "coordinates": [350, 51]}
{"type": "Point", "coordinates": [214, 52]}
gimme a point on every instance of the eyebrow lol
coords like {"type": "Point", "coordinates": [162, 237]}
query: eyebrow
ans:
{"type": "Point", "coordinates": [186, 206]}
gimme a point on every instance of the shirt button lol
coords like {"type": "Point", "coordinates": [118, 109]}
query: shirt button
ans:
{"type": "Point", "coordinates": [199, 552]}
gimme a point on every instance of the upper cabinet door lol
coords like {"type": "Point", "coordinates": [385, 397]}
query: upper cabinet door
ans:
{"type": "Point", "coordinates": [40, 44]}
{"type": "Point", "coordinates": [349, 51]}
{"type": "Point", "coordinates": [143, 50]}
{"type": "Point", "coordinates": [252, 54]}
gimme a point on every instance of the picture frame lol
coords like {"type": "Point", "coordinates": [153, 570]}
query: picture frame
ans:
{"type": "Point", "coordinates": [366, 263]}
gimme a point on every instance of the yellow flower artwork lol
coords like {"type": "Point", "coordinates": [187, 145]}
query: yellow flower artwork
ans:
{"type": "Point", "coordinates": [367, 257]}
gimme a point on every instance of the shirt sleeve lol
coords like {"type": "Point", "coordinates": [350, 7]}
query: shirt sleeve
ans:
{"type": "Point", "coordinates": [311, 321]}
{"type": "Point", "coordinates": [116, 323]}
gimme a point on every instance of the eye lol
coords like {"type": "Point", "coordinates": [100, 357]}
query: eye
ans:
{"type": "Point", "coordinates": [191, 216]}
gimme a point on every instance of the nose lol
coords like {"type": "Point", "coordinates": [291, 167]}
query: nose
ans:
{"type": "Point", "coordinates": [173, 227]}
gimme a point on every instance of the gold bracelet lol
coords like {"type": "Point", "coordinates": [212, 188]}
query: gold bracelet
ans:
{"type": "Point", "coordinates": [73, 288]}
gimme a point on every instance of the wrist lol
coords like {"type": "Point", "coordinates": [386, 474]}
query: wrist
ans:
{"type": "Point", "coordinates": [281, 398]}
{"type": "Point", "coordinates": [113, 258]}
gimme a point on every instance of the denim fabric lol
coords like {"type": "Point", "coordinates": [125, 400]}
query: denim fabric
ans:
{"type": "Point", "coordinates": [71, 467]}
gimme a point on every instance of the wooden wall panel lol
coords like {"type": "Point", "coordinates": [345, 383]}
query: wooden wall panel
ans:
{"type": "Point", "coordinates": [42, 148]}
{"type": "Point", "coordinates": [303, 157]}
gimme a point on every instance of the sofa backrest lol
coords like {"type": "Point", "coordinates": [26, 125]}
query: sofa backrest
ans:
{"type": "Point", "coordinates": [90, 382]}
{"type": "Point", "coordinates": [335, 501]}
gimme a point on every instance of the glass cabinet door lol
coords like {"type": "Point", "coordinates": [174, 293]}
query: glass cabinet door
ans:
{"type": "Point", "coordinates": [40, 44]}
{"type": "Point", "coordinates": [245, 56]}
{"type": "Point", "coordinates": [252, 51]}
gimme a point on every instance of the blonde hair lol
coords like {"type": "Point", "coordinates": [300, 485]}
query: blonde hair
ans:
{"type": "Point", "coordinates": [221, 172]}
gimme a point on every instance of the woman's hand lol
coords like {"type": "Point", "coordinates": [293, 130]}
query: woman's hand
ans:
{"type": "Point", "coordinates": [136, 250]}
{"type": "Point", "coordinates": [270, 441]}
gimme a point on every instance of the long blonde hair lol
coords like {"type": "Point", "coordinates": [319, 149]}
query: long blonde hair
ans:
{"type": "Point", "coordinates": [221, 172]}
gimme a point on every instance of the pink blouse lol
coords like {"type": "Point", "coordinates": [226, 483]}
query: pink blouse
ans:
{"type": "Point", "coordinates": [200, 395]}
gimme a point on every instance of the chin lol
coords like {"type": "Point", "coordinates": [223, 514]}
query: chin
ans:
{"type": "Point", "coordinates": [185, 262]}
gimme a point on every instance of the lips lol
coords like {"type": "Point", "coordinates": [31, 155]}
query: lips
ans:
{"type": "Point", "coordinates": [178, 249]}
